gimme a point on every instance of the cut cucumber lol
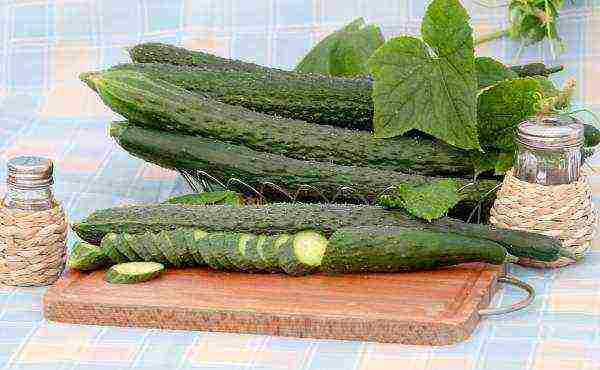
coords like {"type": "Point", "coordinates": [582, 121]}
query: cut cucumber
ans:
{"type": "Point", "coordinates": [87, 257]}
{"type": "Point", "coordinates": [164, 241]}
{"type": "Point", "coordinates": [134, 272]}
{"type": "Point", "coordinates": [237, 253]}
{"type": "Point", "coordinates": [215, 241]}
{"type": "Point", "coordinates": [230, 240]}
{"type": "Point", "coordinates": [193, 244]}
{"type": "Point", "coordinates": [140, 247]}
{"type": "Point", "coordinates": [270, 251]}
{"type": "Point", "coordinates": [152, 242]}
{"type": "Point", "coordinates": [109, 247]}
{"type": "Point", "coordinates": [254, 253]}
{"type": "Point", "coordinates": [303, 253]}
{"type": "Point", "coordinates": [180, 244]}
{"type": "Point", "coordinates": [123, 246]}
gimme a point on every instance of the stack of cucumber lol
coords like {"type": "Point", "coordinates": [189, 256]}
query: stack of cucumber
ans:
{"type": "Point", "coordinates": [190, 110]}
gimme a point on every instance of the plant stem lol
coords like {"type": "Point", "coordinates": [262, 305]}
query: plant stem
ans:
{"type": "Point", "coordinates": [491, 37]}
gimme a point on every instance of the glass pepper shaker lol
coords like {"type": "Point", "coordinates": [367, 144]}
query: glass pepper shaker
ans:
{"type": "Point", "coordinates": [33, 225]}
{"type": "Point", "coordinates": [549, 150]}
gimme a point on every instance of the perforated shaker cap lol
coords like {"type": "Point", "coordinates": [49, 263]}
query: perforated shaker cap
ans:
{"type": "Point", "coordinates": [29, 172]}
{"type": "Point", "coordinates": [556, 132]}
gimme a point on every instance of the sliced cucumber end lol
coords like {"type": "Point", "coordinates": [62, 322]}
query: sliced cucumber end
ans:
{"type": "Point", "coordinates": [309, 247]}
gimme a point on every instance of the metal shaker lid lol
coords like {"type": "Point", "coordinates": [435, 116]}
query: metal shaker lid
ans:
{"type": "Point", "coordinates": [556, 132]}
{"type": "Point", "coordinates": [30, 172]}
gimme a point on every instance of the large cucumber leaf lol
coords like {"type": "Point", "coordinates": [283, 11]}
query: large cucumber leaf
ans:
{"type": "Point", "coordinates": [430, 84]}
{"type": "Point", "coordinates": [345, 52]}
{"type": "Point", "coordinates": [503, 107]}
{"type": "Point", "coordinates": [490, 72]}
{"type": "Point", "coordinates": [428, 201]}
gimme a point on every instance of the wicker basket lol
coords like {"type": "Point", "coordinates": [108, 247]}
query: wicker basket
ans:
{"type": "Point", "coordinates": [564, 211]}
{"type": "Point", "coordinates": [32, 246]}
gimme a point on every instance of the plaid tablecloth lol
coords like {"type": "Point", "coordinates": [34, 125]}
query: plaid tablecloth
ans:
{"type": "Point", "coordinates": [45, 110]}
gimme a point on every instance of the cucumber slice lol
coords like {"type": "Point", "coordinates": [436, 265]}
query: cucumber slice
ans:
{"type": "Point", "coordinates": [123, 245]}
{"type": "Point", "coordinates": [151, 242]}
{"type": "Point", "coordinates": [87, 257]}
{"type": "Point", "coordinates": [271, 251]}
{"type": "Point", "coordinates": [193, 240]}
{"type": "Point", "coordinates": [109, 247]}
{"type": "Point", "coordinates": [134, 272]}
{"type": "Point", "coordinates": [237, 252]}
{"type": "Point", "coordinates": [230, 240]}
{"type": "Point", "coordinates": [180, 243]}
{"type": "Point", "coordinates": [303, 253]}
{"type": "Point", "coordinates": [214, 242]}
{"type": "Point", "coordinates": [254, 253]}
{"type": "Point", "coordinates": [140, 247]}
{"type": "Point", "coordinates": [166, 244]}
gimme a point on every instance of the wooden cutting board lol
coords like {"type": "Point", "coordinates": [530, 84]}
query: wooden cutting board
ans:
{"type": "Point", "coordinates": [431, 308]}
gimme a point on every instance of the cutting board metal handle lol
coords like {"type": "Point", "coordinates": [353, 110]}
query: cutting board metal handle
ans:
{"type": "Point", "coordinates": [512, 280]}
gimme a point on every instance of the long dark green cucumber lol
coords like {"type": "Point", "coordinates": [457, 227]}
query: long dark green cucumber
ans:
{"type": "Point", "coordinates": [166, 244]}
{"type": "Point", "coordinates": [313, 98]}
{"type": "Point", "coordinates": [180, 244]}
{"type": "Point", "coordinates": [194, 245]}
{"type": "Point", "coordinates": [157, 104]}
{"type": "Point", "coordinates": [230, 240]}
{"type": "Point", "coordinates": [213, 256]}
{"type": "Point", "coordinates": [294, 217]}
{"type": "Point", "coordinates": [271, 251]}
{"type": "Point", "coordinates": [152, 243]}
{"type": "Point", "coordinates": [226, 161]}
{"type": "Point", "coordinates": [123, 246]}
{"type": "Point", "coordinates": [204, 244]}
{"type": "Point", "coordinates": [377, 249]}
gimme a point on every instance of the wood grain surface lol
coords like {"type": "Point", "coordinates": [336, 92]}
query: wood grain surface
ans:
{"type": "Point", "coordinates": [430, 307]}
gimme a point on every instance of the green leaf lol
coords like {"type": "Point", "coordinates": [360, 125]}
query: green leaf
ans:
{"type": "Point", "coordinates": [429, 85]}
{"type": "Point", "coordinates": [430, 201]}
{"type": "Point", "coordinates": [503, 107]}
{"type": "Point", "coordinates": [504, 163]}
{"type": "Point", "coordinates": [490, 72]}
{"type": "Point", "coordinates": [345, 52]}
{"type": "Point", "coordinates": [484, 162]}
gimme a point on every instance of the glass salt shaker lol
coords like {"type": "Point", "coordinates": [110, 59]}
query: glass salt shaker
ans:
{"type": "Point", "coordinates": [549, 151]}
{"type": "Point", "coordinates": [33, 225]}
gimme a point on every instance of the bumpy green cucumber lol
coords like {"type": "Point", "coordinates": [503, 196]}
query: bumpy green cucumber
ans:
{"type": "Point", "coordinates": [157, 104]}
{"type": "Point", "coordinates": [140, 247]}
{"type": "Point", "coordinates": [294, 217]}
{"type": "Point", "coordinates": [254, 253]}
{"type": "Point", "coordinates": [205, 247]}
{"type": "Point", "coordinates": [109, 248]}
{"type": "Point", "coordinates": [87, 257]}
{"type": "Point", "coordinates": [302, 253]}
{"type": "Point", "coordinates": [133, 272]}
{"type": "Point", "coordinates": [180, 244]}
{"type": "Point", "coordinates": [394, 249]}
{"type": "Point", "coordinates": [194, 245]}
{"type": "Point", "coordinates": [165, 244]}
{"type": "Point", "coordinates": [230, 240]}
{"type": "Point", "coordinates": [271, 251]}
{"type": "Point", "coordinates": [213, 249]}
{"type": "Point", "coordinates": [226, 161]}
{"type": "Point", "coordinates": [236, 253]}
{"type": "Point", "coordinates": [124, 246]}
{"type": "Point", "coordinates": [209, 198]}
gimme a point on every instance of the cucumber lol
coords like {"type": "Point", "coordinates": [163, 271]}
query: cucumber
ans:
{"type": "Point", "coordinates": [302, 253]}
{"type": "Point", "coordinates": [209, 198]}
{"type": "Point", "coordinates": [180, 244]}
{"type": "Point", "coordinates": [194, 245]}
{"type": "Point", "coordinates": [156, 104]}
{"type": "Point", "coordinates": [164, 241]}
{"type": "Point", "coordinates": [254, 253]}
{"type": "Point", "coordinates": [230, 241]}
{"type": "Point", "coordinates": [139, 245]}
{"type": "Point", "coordinates": [270, 251]}
{"type": "Point", "coordinates": [87, 257]}
{"type": "Point", "coordinates": [205, 247]}
{"type": "Point", "coordinates": [109, 248]}
{"type": "Point", "coordinates": [394, 249]}
{"type": "Point", "coordinates": [225, 161]}
{"type": "Point", "coordinates": [123, 246]}
{"type": "Point", "coordinates": [237, 252]}
{"type": "Point", "coordinates": [152, 243]}
{"type": "Point", "coordinates": [133, 272]}
{"type": "Point", "coordinates": [213, 249]}
{"type": "Point", "coordinates": [294, 217]}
